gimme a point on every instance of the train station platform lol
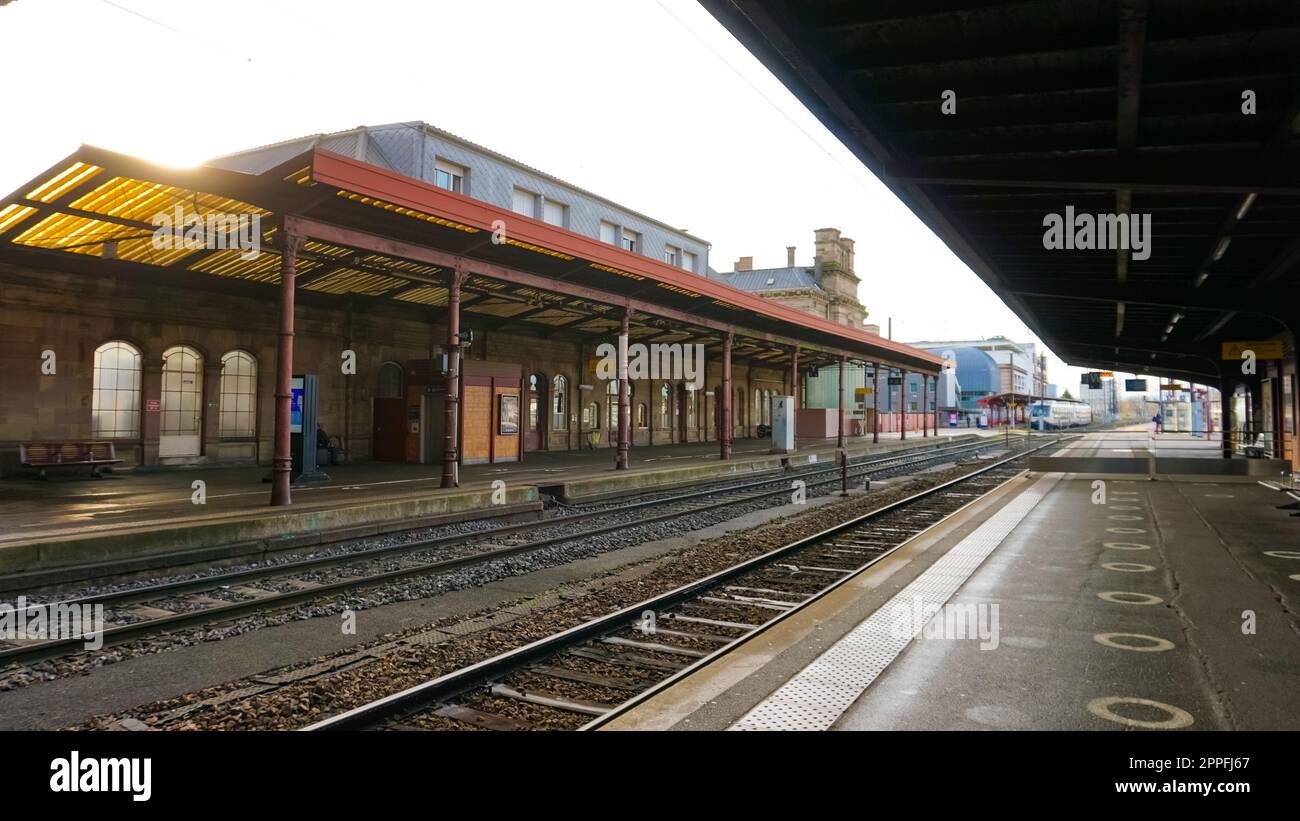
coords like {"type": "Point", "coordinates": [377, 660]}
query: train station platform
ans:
{"type": "Point", "coordinates": [152, 518]}
{"type": "Point", "coordinates": [1166, 604]}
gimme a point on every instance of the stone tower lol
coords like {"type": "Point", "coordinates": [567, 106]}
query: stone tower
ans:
{"type": "Point", "coordinates": [834, 265]}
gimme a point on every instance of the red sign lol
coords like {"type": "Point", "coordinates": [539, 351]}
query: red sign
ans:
{"type": "Point", "coordinates": [152, 405]}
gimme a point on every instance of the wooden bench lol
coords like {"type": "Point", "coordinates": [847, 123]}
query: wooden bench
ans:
{"type": "Point", "coordinates": [44, 456]}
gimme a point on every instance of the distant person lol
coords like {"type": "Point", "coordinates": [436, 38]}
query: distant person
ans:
{"type": "Point", "coordinates": [323, 443]}
{"type": "Point", "coordinates": [1159, 423]}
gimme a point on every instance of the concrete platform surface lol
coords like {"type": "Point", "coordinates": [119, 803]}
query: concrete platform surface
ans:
{"type": "Point", "coordinates": [1173, 604]}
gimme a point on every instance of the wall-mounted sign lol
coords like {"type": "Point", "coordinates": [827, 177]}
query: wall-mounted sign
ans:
{"type": "Point", "coordinates": [508, 416]}
{"type": "Point", "coordinates": [152, 405]}
{"type": "Point", "coordinates": [1135, 385]}
{"type": "Point", "coordinates": [1173, 387]}
{"type": "Point", "coordinates": [863, 391]}
{"type": "Point", "coordinates": [895, 380]}
{"type": "Point", "coordinates": [1262, 348]}
{"type": "Point", "coordinates": [585, 387]}
{"type": "Point", "coordinates": [295, 405]}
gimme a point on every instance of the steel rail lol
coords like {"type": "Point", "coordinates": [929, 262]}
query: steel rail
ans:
{"type": "Point", "coordinates": [53, 648]}
{"type": "Point", "coordinates": [458, 681]}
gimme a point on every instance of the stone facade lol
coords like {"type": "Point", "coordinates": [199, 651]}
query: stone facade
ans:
{"type": "Point", "coordinates": [72, 314]}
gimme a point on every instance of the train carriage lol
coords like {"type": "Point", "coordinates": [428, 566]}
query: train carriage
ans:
{"type": "Point", "coordinates": [1059, 414]}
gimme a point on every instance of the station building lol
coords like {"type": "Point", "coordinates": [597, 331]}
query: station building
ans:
{"type": "Point", "coordinates": [450, 301]}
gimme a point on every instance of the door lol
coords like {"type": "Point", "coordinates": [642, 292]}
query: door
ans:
{"type": "Point", "coordinates": [389, 418]}
{"type": "Point", "coordinates": [535, 413]}
{"type": "Point", "coordinates": [389, 431]}
{"type": "Point", "coordinates": [182, 403]}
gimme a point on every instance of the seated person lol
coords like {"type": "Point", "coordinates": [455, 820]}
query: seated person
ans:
{"type": "Point", "coordinates": [323, 443]}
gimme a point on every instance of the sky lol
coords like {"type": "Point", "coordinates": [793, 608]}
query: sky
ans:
{"type": "Point", "coordinates": [650, 103]}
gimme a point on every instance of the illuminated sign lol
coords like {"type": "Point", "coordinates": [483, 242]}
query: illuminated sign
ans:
{"type": "Point", "coordinates": [1263, 349]}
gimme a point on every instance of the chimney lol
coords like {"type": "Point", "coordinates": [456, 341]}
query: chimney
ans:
{"type": "Point", "coordinates": [745, 264]}
{"type": "Point", "coordinates": [789, 256]}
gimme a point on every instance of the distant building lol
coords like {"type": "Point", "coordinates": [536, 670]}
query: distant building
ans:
{"type": "Point", "coordinates": [1021, 369]}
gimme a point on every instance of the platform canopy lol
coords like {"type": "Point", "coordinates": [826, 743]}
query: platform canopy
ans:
{"type": "Point", "coordinates": [375, 236]}
{"type": "Point", "coordinates": [987, 116]}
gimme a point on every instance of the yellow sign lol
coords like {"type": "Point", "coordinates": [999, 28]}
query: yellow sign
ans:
{"type": "Point", "coordinates": [1105, 374]}
{"type": "Point", "coordinates": [1263, 349]}
{"type": "Point", "coordinates": [863, 391]}
{"type": "Point", "coordinates": [1173, 387]}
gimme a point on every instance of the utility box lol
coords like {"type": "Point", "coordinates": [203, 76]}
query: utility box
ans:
{"type": "Point", "coordinates": [783, 423]}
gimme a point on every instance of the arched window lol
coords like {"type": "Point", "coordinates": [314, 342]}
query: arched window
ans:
{"type": "Point", "coordinates": [559, 403]}
{"type": "Point", "coordinates": [758, 407]}
{"type": "Point", "coordinates": [665, 407]}
{"type": "Point", "coordinates": [389, 383]}
{"type": "Point", "coordinates": [691, 394]}
{"type": "Point", "coordinates": [767, 407]}
{"type": "Point", "coordinates": [535, 383]}
{"type": "Point", "coordinates": [238, 395]}
{"type": "Point", "coordinates": [642, 416]}
{"type": "Point", "coordinates": [611, 404]}
{"type": "Point", "coordinates": [591, 416]}
{"type": "Point", "coordinates": [115, 403]}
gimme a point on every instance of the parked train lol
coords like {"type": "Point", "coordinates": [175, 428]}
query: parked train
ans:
{"type": "Point", "coordinates": [1055, 414]}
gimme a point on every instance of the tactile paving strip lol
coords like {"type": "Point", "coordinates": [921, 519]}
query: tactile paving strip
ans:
{"type": "Point", "coordinates": [820, 693]}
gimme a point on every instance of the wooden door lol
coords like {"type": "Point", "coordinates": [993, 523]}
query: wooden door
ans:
{"type": "Point", "coordinates": [388, 435]}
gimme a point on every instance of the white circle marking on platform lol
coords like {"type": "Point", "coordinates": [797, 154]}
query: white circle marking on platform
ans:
{"type": "Point", "coordinates": [1283, 554]}
{"type": "Point", "coordinates": [1155, 643]}
{"type": "Point", "coordinates": [1113, 596]}
{"type": "Point", "coordinates": [1128, 567]}
{"type": "Point", "coordinates": [1125, 517]}
{"type": "Point", "coordinates": [1178, 718]}
{"type": "Point", "coordinates": [1219, 496]}
{"type": "Point", "coordinates": [1124, 507]}
{"type": "Point", "coordinates": [1126, 546]}
{"type": "Point", "coordinates": [1296, 577]}
{"type": "Point", "coordinates": [1125, 530]}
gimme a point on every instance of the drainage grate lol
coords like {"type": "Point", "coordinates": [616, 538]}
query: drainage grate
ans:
{"type": "Point", "coordinates": [820, 693]}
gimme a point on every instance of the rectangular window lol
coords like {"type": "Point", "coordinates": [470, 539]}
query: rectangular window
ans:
{"type": "Point", "coordinates": [608, 232]}
{"type": "Point", "coordinates": [524, 202]}
{"type": "Point", "coordinates": [631, 240]}
{"type": "Point", "coordinates": [671, 255]}
{"type": "Point", "coordinates": [688, 262]}
{"type": "Point", "coordinates": [449, 176]}
{"type": "Point", "coordinates": [556, 213]}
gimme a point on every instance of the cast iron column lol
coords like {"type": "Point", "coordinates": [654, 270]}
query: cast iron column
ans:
{"type": "Point", "coordinates": [451, 415]}
{"type": "Point", "coordinates": [728, 428]}
{"type": "Point", "coordinates": [1225, 397]}
{"type": "Point", "coordinates": [624, 408]}
{"type": "Point", "coordinates": [282, 460]}
{"type": "Point", "coordinates": [875, 406]}
{"type": "Point", "coordinates": [794, 384]}
{"type": "Point", "coordinates": [839, 441]}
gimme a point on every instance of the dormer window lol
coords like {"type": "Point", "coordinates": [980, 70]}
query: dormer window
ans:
{"type": "Point", "coordinates": [449, 176]}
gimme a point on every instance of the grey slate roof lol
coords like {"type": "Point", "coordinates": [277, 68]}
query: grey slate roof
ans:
{"type": "Point", "coordinates": [398, 146]}
{"type": "Point", "coordinates": [772, 279]}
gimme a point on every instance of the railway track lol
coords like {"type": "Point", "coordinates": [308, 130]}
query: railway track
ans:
{"type": "Point", "coordinates": [172, 605]}
{"type": "Point", "coordinates": [582, 677]}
